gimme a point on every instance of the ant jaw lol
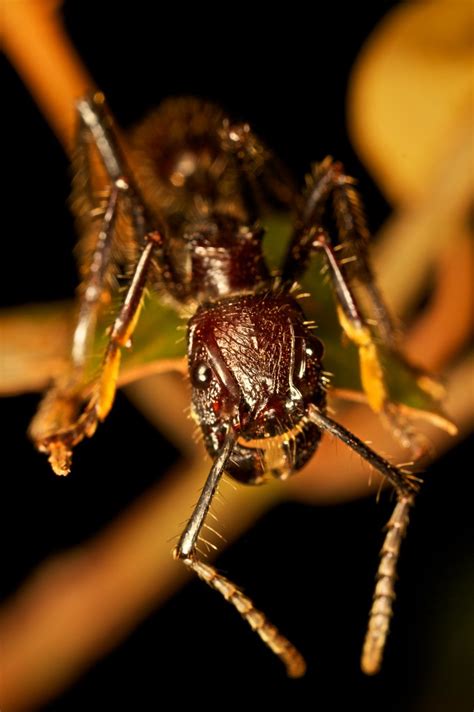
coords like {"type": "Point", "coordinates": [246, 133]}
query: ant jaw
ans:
{"type": "Point", "coordinates": [275, 417]}
{"type": "Point", "coordinates": [243, 419]}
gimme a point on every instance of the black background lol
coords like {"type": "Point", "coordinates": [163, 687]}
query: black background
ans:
{"type": "Point", "coordinates": [287, 75]}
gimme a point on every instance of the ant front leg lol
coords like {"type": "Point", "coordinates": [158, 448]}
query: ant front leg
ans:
{"type": "Point", "coordinates": [47, 429]}
{"type": "Point", "coordinates": [186, 550]}
{"type": "Point", "coordinates": [406, 487]}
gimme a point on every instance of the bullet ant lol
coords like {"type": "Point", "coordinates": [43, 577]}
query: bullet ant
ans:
{"type": "Point", "coordinates": [181, 208]}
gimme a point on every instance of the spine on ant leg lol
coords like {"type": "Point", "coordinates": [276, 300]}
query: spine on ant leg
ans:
{"type": "Point", "coordinates": [384, 594]}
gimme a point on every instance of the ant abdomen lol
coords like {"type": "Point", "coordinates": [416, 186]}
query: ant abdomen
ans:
{"type": "Point", "coordinates": [182, 165]}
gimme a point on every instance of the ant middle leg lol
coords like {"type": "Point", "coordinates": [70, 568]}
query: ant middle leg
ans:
{"type": "Point", "coordinates": [112, 221]}
{"type": "Point", "coordinates": [347, 257]}
{"type": "Point", "coordinates": [60, 409]}
{"type": "Point", "coordinates": [69, 413]}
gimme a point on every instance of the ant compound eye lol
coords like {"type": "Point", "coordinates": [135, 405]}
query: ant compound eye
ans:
{"type": "Point", "coordinates": [314, 348]}
{"type": "Point", "coordinates": [201, 375]}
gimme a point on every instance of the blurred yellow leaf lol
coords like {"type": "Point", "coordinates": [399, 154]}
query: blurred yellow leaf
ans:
{"type": "Point", "coordinates": [412, 93]}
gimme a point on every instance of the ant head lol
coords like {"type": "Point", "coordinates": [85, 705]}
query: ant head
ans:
{"type": "Point", "coordinates": [255, 367]}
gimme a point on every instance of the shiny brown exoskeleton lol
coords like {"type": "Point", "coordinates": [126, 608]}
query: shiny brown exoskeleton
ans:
{"type": "Point", "coordinates": [254, 364]}
{"type": "Point", "coordinates": [181, 214]}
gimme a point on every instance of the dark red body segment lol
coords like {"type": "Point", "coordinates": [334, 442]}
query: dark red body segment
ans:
{"type": "Point", "coordinates": [226, 258]}
{"type": "Point", "coordinates": [264, 369]}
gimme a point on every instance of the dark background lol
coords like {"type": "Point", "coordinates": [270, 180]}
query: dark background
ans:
{"type": "Point", "coordinates": [311, 569]}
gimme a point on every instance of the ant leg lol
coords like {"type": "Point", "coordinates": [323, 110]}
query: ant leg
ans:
{"type": "Point", "coordinates": [319, 185]}
{"type": "Point", "coordinates": [93, 289]}
{"type": "Point", "coordinates": [98, 171]}
{"type": "Point", "coordinates": [328, 181]}
{"type": "Point", "coordinates": [48, 429]}
{"type": "Point", "coordinates": [353, 323]}
{"type": "Point", "coordinates": [404, 482]}
{"type": "Point", "coordinates": [357, 329]}
{"type": "Point", "coordinates": [348, 259]}
{"type": "Point", "coordinates": [186, 551]}
{"type": "Point", "coordinates": [98, 123]}
{"type": "Point", "coordinates": [61, 405]}
{"type": "Point", "coordinates": [384, 594]}
{"type": "Point", "coordinates": [101, 190]}
{"type": "Point", "coordinates": [353, 246]}
{"type": "Point", "coordinates": [353, 254]}
{"type": "Point", "coordinates": [112, 223]}
{"type": "Point", "coordinates": [406, 487]}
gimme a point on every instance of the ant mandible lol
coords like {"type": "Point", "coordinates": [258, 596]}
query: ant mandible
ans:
{"type": "Point", "coordinates": [181, 206]}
